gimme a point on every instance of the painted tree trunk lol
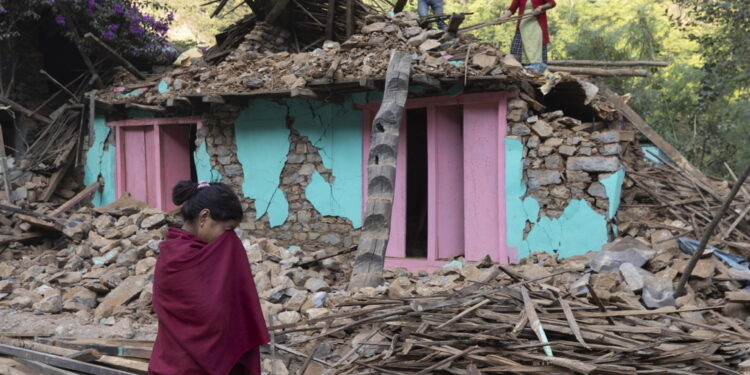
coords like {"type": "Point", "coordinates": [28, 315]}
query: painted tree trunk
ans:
{"type": "Point", "coordinates": [381, 175]}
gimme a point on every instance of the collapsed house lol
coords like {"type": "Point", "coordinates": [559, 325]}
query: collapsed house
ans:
{"type": "Point", "coordinates": [496, 164]}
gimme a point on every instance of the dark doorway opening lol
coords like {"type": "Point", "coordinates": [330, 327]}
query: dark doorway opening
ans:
{"type": "Point", "coordinates": [416, 183]}
{"type": "Point", "coordinates": [192, 147]}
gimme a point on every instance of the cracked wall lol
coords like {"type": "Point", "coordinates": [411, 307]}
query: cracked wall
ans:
{"type": "Point", "coordinates": [297, 163]}
{"type": "Point", "coordinates": [562, 185]}
{"type": "Point", "coordinates": [100, 162]}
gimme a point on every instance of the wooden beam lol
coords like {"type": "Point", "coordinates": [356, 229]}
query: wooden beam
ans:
{"type": "Point", "coordinates": [60, 85]}
{"type": "Point", "coordinates": [640, 124]}
{"type": "Point", "coordinates": [276, 11]}
{"type": "Point", "coordinates": [4, 240]}
{"type": "Point", "coordinates": [455, 22]}
{"type": "Point", "coordinates": [349, 18]}
{"type": "Point", "coordinates": [114, 55]}
{"type": "Point", "coordinates": [329, 20]}
{"type": "Point", "coordinates": [381, 179]}
{"type": "Point", "coordinates": [399, 7]}
{"type": "Point", "coordinates": [55, 179]}
{"type": "Point", "coordinates": [72, 202]}
{"type": "Point", "coordinates": [598, 72]}
{"type": "Point", "coordinates": [58, 361]}
{"type": "Point", "coordinates": [85, 355]}
{"type": "Point", "coordinates": [41, 223]}
{"type": "Point", "coordinates": [607, 63]}
{"type": "Point", "coordinates": [679, 291]}
{"type": "Point", "coordinates": [24, 110]}
{"type": "Point", "coordinates": [43, 369]}
{"type": "Point", "coordinates": [102, 347]}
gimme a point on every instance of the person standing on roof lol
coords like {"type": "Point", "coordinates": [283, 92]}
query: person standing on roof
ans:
{"type": "Point", "coordinates": [424, 6]}
{"type": "Point", "coordinates": [532, 33]}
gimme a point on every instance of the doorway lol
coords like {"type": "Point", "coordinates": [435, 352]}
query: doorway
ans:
{"type": "Point", "coordinates": [416, 183]}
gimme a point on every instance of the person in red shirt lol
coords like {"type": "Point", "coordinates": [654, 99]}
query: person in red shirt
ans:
{"type": "Point", "coordinates": [532, 32]}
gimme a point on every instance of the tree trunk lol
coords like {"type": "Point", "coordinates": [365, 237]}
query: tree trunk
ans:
{"type": "Point", "coordinates": [381, 175]}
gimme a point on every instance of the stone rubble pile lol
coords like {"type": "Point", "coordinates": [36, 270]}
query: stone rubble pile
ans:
{"type": "Point", "coordinates": [257, 64]}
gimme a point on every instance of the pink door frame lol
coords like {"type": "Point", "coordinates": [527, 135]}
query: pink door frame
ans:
{"type": "Point", "coordinates": [480, 170]}
{"type": "Point", "coordinates": [146, 143]}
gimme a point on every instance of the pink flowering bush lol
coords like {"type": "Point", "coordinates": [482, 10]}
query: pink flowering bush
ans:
{"type": "Point", "coordinates": [123, 24]}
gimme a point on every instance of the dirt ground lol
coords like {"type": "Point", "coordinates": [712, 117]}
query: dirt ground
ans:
{"type": "Point", "coordinates": [71, 325]}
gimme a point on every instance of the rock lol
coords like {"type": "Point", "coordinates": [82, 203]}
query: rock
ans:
{"type": "Point", "coordinates": [6, 270]}
{"type": "Point", "coordinates": [567, 150]}
{"type": "Point", "coordinates": [612, 136]}
{"type": "Point", "coordinates": [482, 275]}
{"type": "Point", "coordinates": [317, 285]}
{"type": "Point", "coordinates": [593, 163]}
{"type": "Point", "coordinates": [705, 268]}
{"type": "Point", "coordinates": [484, 60]}
{"type": "Point", "coordinates": [289, 317]}
{"type": "Point", "coordinates": [51, 304]}
{"type": "Point", "coordinates": [610, 149]}
{"type": "Point", "coordinates": [663, 239]}
{"type": "Point", "coordinates": [275, 367]}
{"type": "Point", "coordinates": [615, 254]}
{"type": "Point", "coordinates": [6, 286]}
{"type": "Point", "coordinates": [399, 291]}
{"type": "Point", "coordinates": [123, 328]}
{"type": "Point", "coordinates": [541, 177]}
{"type": "Point", "coordinates": [145, 266]}
{"type": "Point", "coordinates": [331, 239]}
{"type": "Point", "coordinates": [153, 221]}
{"type": "Point", "coordinates": [520, 130]}
{"type": "Point", "coordinates": [429, 45]}
{"type": "Point", "coordinates": [658, 292]}
{"type": "Point", "coordinates": [297, 298]}
{"type": "Point", "coordinates": [632, 277]}
{"type": "Point", "coordinates": [553, 161]}
{"type": "Point", "coordinates": [123, 293]}
{"type": "Point", "coordinates": [319, 299]}
{"type": "Point", "coordinates": [127, 258]}
{"type": "Point", "coordinates": [317, 313]}
{"type": "Point", "coordinates": [597, 190]}
{"type": "Point", "coordinates": [543, 128]}
{"type": "Point", "coordinates": [374, 27]}
{"type": "Point", "coordinates": [82, 296]}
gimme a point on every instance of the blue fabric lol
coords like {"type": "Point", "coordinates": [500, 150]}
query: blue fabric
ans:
{"type": "Point", "coordinates": [424, 6]}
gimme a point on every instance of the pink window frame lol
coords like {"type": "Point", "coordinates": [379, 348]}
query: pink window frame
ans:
{"type": "Point", "coordinates": [156, 123]}
{"type": "Point", "coordinates": [473, 252]}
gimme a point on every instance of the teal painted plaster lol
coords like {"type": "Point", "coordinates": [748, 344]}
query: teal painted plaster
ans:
{"type": "Point", "coordinates": [335, 129]}
{"type": "Point", "coordinates": [651, 153]}
{"type": "Point", "coordinates": [262, 145]}
{"type": "Point", "coordinates": [163, 87]}
{"type": "Point", "coordinates": [100, 161]}
{"type": "Point", "coordinates": [613, 188]}
{"type": "Point", "coordinates": [203, 165]}
{"type": "Point", "coordinates": [578, 230]}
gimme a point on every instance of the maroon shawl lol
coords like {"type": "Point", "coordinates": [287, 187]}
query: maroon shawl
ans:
{"type": "Point", "coordinates": [209, 313]}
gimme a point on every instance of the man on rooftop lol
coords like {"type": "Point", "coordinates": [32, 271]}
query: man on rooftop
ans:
{"type": "Point", "coordinates": [532, 33]}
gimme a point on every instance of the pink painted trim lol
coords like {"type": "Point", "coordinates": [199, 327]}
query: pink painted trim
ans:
{"type": "Point", "coordinates": [194, 120]}
{"type": "Point", "coordinates": [119, 162]}
{"type": "Point", "coordinates": [488, 97]}
{"type": "Point", "coordinates": [432, 188]}
{"type": "Point", "coordinates": [158, 170]}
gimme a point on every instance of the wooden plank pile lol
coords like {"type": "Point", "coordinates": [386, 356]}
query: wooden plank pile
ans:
{"type": "Point", "coordinates": [519, 325]}
{"type": "Point", "coordinates": [39, 355]}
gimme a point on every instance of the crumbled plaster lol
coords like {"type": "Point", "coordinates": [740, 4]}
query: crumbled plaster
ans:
{"type": "Point", "coordinates": [203, 165]}
{"type": "Point", "coordinates": [100, 161]}
{"type": "Point", "coordinates": [578, 230]}
{"type": "Point", "coordinates": [262, 138]}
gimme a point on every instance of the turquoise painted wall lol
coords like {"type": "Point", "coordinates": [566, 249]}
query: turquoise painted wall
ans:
{"type": "Point", "coordinates": [203, 167]}
{"type": "Point", "coordinates": [101, 162]}
{"type": "Point", "coordinates": [578, 230]}
{"type": "Point", "coordinates": [336, 129]}
{"type": "Point", "coordinates": [262, 140]}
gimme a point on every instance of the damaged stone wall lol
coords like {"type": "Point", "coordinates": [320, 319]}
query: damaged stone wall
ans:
{"type": "Point", "coordinates": [562, 182]}
{"type": "Point", "coordinates": [271, 154]}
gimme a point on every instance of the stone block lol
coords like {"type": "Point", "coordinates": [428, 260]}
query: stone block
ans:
{"type": "Point", "coordinates": [577, 176]}
{"type": "Point", "coordinates": [593, 163]}
{"type": "Point", "coordinates": [520, 130]}
{"type": "Point", "coordinates": [541, 177]}
{"type": "Point", "coordinates": [567, 150]}
{"type": "Point", "coordinates": [597, 190]}
{"type": "Point", "coordinates": [610, 149]}
{"type": "Point", "coordinates": [553, 161]}
{"type": "Point", "coordinates": [611, 136]}
{"type": "Point", "coordinates": [542, 128]}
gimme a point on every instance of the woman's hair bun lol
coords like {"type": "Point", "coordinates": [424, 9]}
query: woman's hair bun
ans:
{"type": "Point", "coordinates": [183, 191]}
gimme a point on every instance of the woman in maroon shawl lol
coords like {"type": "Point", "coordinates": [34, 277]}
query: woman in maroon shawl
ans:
{"type": "Point", "coordinates": [210, 320]}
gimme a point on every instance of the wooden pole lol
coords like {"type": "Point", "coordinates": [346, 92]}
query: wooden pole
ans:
{"type": "Point", "coordinates": [114, 55]}
{"type": "Point", "coordinates": [599, 72]}
{"type": "Point", "coordinates": [330, 18]}
{"type": "Point", "coordinates": [60, 85]}
{"type": "Point", "coordinates": [606, 63]}
{"type": "Point", "coordinates": [4, 167]}
{"type": "Point", "coordinates": [381, 175]}
{"type": "Point", "coordinates": [25, 110]}
{"type": "Point", "coordinates": [707, 234]}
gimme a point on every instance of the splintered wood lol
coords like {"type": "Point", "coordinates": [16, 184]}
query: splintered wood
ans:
{"type": "Point", "coordinates": [663, 190]}
{"type": "Point", "coordinates": [526, 327]}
